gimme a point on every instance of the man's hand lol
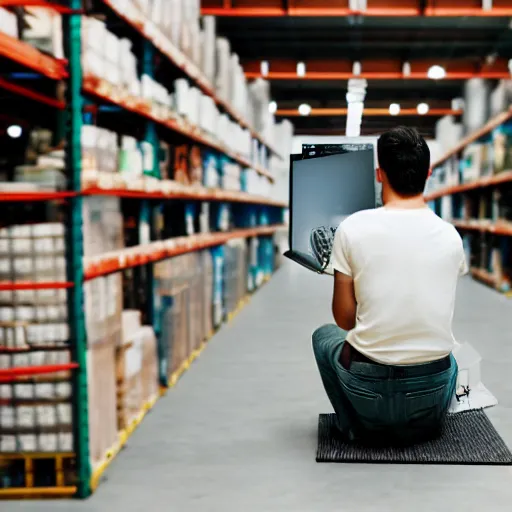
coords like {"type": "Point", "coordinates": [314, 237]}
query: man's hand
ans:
{"type": "Point", "coordinates": [344, 305]}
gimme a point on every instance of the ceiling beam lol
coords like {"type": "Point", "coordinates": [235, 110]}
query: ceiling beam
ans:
{"type": "Point", "coordinates": [378, 70]}
{"type": "Point", "coordinates": [365, 131]}
{"type": "Point", "coordinates": [367, 112]}
{"type": "Point", "coordinates": [279, 11]}
{"type": "Point", "coordinates": [380, 75]}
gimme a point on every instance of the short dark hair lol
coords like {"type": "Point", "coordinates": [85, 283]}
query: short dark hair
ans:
{"type": "Point", "coordinates": [405, 158]}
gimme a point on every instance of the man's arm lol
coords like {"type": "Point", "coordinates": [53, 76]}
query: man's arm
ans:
{"type": "Point", "coordinates": [344, 305]}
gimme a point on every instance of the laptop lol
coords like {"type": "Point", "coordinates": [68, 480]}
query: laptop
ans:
{"type": "Point", "coordinates": [327, 183]}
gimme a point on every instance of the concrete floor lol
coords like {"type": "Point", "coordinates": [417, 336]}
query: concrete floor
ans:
{"type": "Point", "coordinates": [238, 433]}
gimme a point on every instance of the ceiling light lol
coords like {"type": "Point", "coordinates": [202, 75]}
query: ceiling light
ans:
{"type": "Point", "coordinates": [406, 69]}
{"type": "Point", "coordinates": [14, 131]}
{"type": "Point", "coordinates": [264, 67]}
{"type": "Point", "coordinates": [301, 69]}
{"type": "Point", "coordinates": [305, 109]}
{"type": "Point", "coordinates": [436, 72]}
{"type": "Point", "coordinates": [394, 109]}
{"type": "Point", "coordinates": [422, 109]}
{"type": "Point", "coordinates": [272, 107]}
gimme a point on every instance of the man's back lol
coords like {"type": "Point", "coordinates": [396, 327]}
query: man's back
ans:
{"type": "Point", "coordinates": [405, 264]}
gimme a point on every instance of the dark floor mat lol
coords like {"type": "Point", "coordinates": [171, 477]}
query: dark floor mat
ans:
{"type": "Point", "coordinates": [467, 438]}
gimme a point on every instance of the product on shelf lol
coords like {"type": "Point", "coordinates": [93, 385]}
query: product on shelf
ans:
{"type": "Point", "coordinates": [501, 97]}
{"type": "Point", "coordinates": [502, 148]}
{"type": "Point", "coordinates": [102, 225]}
{"type": "Point", "coordinates": [476, 104]}
{"type": "Point", "coordinates": [195, 165]}
{"type": "Point", "coordinates": [181, 165]}
{"type": "Point", "coordinates": [8, 23]}
{"type": "Point", "coordinates": [43, 30]}
{"type": "Point", "coordinates": [448, 133]}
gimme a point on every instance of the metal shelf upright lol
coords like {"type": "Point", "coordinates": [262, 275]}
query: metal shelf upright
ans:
{"type": "Point", "coordinates": [78, 335]}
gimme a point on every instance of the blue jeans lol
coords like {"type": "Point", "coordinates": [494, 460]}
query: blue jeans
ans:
{"type": "Point", "coordinates": [382, 402]}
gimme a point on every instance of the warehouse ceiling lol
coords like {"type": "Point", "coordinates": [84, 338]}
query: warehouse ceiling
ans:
{"type": "Point", "coordinates": [468, 38]}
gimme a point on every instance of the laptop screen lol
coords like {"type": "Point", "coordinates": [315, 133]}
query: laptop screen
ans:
{"type": "Point", "coordinates": [324, 190]}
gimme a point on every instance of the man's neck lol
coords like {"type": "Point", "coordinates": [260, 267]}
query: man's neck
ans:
{"type": "Point", "coordinates": [394, 201]}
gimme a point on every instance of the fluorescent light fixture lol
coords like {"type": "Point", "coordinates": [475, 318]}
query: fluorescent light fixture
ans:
{"type": "Point", "coordinates": [264, 67]}
{"type": "Point", "coordinates": [272, 107]}
{"type": "Point", "coordinates": [304, 109]}
{"type": "Point", "coordinates": [436, 72]}
{"type": "Point", "coordinates": [14, 131]}
{"type": "Point", "coordinates": [422, 108]}
{"type": "Point", "coordinates": [394, 109]}
{"type": "Point", "coordinates": [301, 69]}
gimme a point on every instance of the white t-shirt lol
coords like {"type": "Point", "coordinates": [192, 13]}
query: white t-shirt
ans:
{"type": "Point", "coordinates": [405, 264]}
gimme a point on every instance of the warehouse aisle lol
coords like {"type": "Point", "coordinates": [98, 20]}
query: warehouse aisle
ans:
{"type": "Point", "coordinates": [238, 433]}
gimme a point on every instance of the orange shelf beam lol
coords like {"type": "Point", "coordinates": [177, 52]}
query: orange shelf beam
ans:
{"type": "Point", "coordinates": [369, 112]}
{"type": "Point", "coordinates": [268, 12]}
{"type": "Point", "coordinates": [377, 75]}
{"type": "Point", "coordinates": [156, 251]}
{"type": "Point", "coordinates": [487, 128]}
{"type": "Point", "coordinates": [199, 194]}
{"type": "Point", "coordinates": [33, 95]}
{"type": "Point", "coordinates": [488, 181]}
{"type": "Point", "coordinates": [12, 374]}
{"type": "Point", "coordinates": [34, 196]}
{"type": "Point", "coordinates": [62, 9]}
{"type": "Point", "coordinates": [28, 56]}
{"type": "Point", "coordinates": [502, 228]}
{"type": "Point", "coordinates": [181, 61]}
{"type": "Point", "coordinates": [29, 285]}
{"type": "Point", "coordinates": [100, 89]}
{"type": "Point", "coordinates": [387, 69]}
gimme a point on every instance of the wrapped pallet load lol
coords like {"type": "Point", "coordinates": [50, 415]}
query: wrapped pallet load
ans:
{"type": "Point", "coordinates": [103, 309]}
{"type": "Point", "coordinates": [174, 296]}
{"type": "Point", "coordinates": [136, 369]}
{"type": "Point", "coordinates": [36, 414]}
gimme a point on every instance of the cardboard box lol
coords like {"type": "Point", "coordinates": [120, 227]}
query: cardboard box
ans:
{"type": "Point", "coordinates": [101, 377]}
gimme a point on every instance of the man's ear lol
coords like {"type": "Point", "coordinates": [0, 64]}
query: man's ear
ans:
{"type": "Point", "coordinates": [429, 172]}
{"type": "Point", "coordinates": [379, 175]}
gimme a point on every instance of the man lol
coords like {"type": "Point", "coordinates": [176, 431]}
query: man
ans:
{"type": "Point", "coordinates": [387, 365]}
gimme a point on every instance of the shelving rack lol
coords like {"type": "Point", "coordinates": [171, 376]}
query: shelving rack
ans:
{"type": "Point", "coordinates": [495, 232]}
{"type": "Point", "coordinates": [257, 217]}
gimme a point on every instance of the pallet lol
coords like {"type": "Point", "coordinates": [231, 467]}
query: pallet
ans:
{"type": "Point", "coordinates": [63, 475]}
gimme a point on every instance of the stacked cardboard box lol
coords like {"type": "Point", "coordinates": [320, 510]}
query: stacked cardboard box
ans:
{"type": "Point", "coordinates": [235, 274]}
{"type": "Point", "coordinates": [185, 286]}
{"type": "Point", "coordinates": [36, 415]}
{"type": "Point", "coordinates": [137, 368]}
{"type": "Point", "coordinates": [103, 316]}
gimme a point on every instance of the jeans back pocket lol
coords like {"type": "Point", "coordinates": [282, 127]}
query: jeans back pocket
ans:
{"type": "Point", "coordinates": [427, 405]}
{"type": "Point", "coordinates": [366, 404]}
